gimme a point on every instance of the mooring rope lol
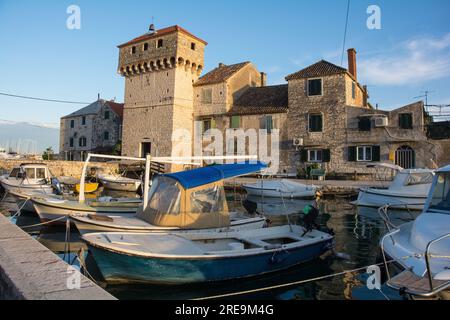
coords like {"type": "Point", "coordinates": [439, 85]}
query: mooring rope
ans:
{"type": "Point", "coordinates": [291, 283]}
{"type": "Point", "coordinates": [44, 223]}
{"type": "Point", "coordinates": [19, 212]}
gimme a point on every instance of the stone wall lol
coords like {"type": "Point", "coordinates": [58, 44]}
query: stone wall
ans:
{"type": "Point", "coordinates": [62, 168]}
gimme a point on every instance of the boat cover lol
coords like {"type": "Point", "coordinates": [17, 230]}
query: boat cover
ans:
{"type": "Point", "coordinates": [198, 177]}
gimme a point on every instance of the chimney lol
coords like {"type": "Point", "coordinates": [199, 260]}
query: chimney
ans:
{"type": "Point", "coordinates": [365, 96]}
{"type": "Point", "coordinates": [263, 79]}
{"type": "Point", "coordinates": [352, 62]}
{"type": "Point", "coordinates": [221, 65]}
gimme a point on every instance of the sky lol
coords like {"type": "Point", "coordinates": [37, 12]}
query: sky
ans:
{"type": "Point", "coordinates": [41, 57]}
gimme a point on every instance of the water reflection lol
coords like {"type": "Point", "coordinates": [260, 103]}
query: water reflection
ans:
{"type": "Point", "coordinates": [357, 234]}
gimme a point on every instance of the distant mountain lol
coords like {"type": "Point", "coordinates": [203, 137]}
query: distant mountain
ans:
{"type": "Point", "coordinates": [27, 137]}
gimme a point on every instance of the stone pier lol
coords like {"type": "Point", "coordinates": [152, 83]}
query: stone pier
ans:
{"type": "Point", "coordinates": [30, 271]}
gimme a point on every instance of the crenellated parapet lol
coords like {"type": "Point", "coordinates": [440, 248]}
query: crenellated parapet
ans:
{"type": "Point", "coordinates": [142, 67]}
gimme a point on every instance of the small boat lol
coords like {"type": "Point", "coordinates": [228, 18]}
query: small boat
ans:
{"type": "Point", "coordinates": [24, 202]}
{"type": "Point", "coordinates": [408, 191]}
{"type": "Point", "coordinates": [422, 248]}
{"type": "Point", "coordinates": [185, 201]}
{"type": "Point", "coordinates": [281, 189]}
{"type": "Point", "coordinates": [119, 183]}
{"type": "Point", "coordinates": [203, 256]}
{"type": "Point", "coordinates": [29, 177]}
{"type": "Point", "coordinates": [58, 210]}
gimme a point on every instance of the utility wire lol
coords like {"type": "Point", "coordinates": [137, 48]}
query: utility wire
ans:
{"type": "Point", "coordinates": [345, 33]}
{"type": "Point", "coordinates": [42, 99]}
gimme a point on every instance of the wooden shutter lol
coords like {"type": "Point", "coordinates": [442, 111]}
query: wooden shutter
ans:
{"type": "Point", "coordinates": [326, 155]}
{"type": "Point", "coordinates": [213, 124]}
{"type": "Point", "coordinates": [304, 155]}
{"type": "Point", "coordinates": [269, 125]}
{"type": "Point", "coordinates": [376, 153]}
{"type": "Point", "coordinates": [364, 124]}
{"type": "Point", "coordinates": [352, 154]}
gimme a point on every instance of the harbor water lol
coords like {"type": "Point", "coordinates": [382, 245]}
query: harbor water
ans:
{"type": "Point", "coordinates": [357, 235]}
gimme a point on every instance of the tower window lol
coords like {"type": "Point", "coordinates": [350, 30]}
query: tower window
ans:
{"type": "Point", "coordinates": [133, 50]}
{"type": "Point", "coordinates": [192, 45]}
{"type": "Point", "coordinates": [145, 46]}
{"type": "Point", "coordinates": [106, 115]}
{"type": "Point", "coordinates": [315, 123]}
{"type": "Point", "coordinates": [106, 136]}
{"type": "Point", "coordinates": [160, 43]}
{"type": "Point", "coordinates": [315, 87]}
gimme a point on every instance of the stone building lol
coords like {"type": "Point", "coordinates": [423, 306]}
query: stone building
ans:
{"type": "Point", "coordinates": [95, 128]}
{"type": "Point", "coordinates": [322, 114]}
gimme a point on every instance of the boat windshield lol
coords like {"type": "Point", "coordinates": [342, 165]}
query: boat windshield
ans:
{"type": "Point", "coordinates": [441, 195]}
{"type": "Point", "coordinates": [208, 200]}
{"type": "Point", "coordinates": [165, 196]}
{"type": "Point", "coordinates": [419, 178]}
{"type": "Point", "coordinates": [15, 173]}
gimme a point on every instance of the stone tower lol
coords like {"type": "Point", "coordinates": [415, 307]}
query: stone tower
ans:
{"type": "Point", "coordinates": [160, 68]}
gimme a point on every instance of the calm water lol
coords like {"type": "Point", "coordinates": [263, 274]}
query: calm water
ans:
{"type": "Point", "coordinates": [358, 232]}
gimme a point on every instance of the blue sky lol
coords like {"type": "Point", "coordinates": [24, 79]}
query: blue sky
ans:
{"type": "Point", "coordinates": [41, 57]}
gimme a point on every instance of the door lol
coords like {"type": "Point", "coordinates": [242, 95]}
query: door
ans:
{"type": "Point", "coordinates": [405, 157]}
{"type": "Point", "coordinates": [146, 148]}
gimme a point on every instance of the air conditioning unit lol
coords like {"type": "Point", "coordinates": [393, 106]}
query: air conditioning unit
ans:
{"type": "Point", "coordinates": [298, 142]}
{"type": "Point", "coordinates": [381, 121]}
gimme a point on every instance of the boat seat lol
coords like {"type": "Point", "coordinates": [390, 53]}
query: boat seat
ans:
{"type": "Point", "coordinates": [415, 285]}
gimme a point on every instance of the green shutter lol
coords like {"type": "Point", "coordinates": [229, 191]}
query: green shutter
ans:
{"type": "Point", "coordinates": [376, 153]}
{"type": "Point", "coordinates": [235, 122]}
{"type": "Point", "coordinates": [326, 155]}
{"type": "Point", "coordinates": [304, 155]}
{"type": "Point", "coordinates": [352, 154]}
{"type": "Point", "coordinates": [269, 124]}
{"type": "Point", "coordinates": [213, 124]}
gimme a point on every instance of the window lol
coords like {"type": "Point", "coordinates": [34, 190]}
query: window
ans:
{"type": "Point", "coordinates": [209, 200]}
{"type": "Point", "coordinates": [207, 96]}
{"type": "Point", "coordinates": [160, 43]}
{"type": "Point", "coordinates": [364, 124]}
{"type": "Point", "coordinates": [106, 136]}
{"type": "Point", "coordinates": [315, 123]}
{"type": "Point", "coordinates": [315, 87]}
{"type": "Point", "coordinates": [208, 124]}
{"type": "Point", "coordinates": [29, 173]}
{"type": "Point", "coordinates": [82, 142]}
{"type": "Point", "coordinates": [106, 115]}
{"type": "Point", "coordinates": [72, 124]}
{"type": "Point", "coordinates": [165, 196]}
{"type": "Point", "coordinates": [14, 173]}
{"type": "Point", "coordinates": [440, 201]}
{"type": "Point", "coordinates": [133, 50]}
{"type": "Point", "coordinates": [315, 155]}
{"type": "Point", "coordinates": [40, 173]}
{"type": "Point", "coordinates": [83, 121]}
{"type": "Point", "coordinates": [146, 149]}
{"type": "Point", "coordinates": [364, 153]}
{"type": "Point", "coordinates": [192, 46]}
{"type": "Point", "coordinates": [405, 121]}
{"type": "Point", "coordinates": [145, 46]}
{"type": "Point", "coordinates": [71, 142]}
{"type": "Point", "coordinates": [267, 123]}
{"type": "Point", "coordinates": [235, 122]}
{"type": "Point", "coordinates": [419, 178]}
{"type": "Point", "coordinates": [353, 90]}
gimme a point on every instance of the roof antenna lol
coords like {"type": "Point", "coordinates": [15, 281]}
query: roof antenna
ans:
{"type": "Point", "coordinates": [98, 96]}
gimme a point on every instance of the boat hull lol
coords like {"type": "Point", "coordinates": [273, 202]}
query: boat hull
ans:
{"type": "Point", "coordinates": [272, 193]}
{"type": "Point", "coordinates": [119, 268]}
{"type": "Point", "coordinates": [120, 186]}
{"type": "Point", "coordinates": [378, 198]}
{"type": "Point", "coordinates": [26, 188]}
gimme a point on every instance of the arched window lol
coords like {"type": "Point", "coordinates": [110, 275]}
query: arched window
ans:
{"type": "Point", "coordinates": [405, 157]}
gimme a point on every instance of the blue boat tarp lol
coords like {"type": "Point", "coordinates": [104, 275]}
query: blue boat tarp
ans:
{"type": "Point", "coordinates": [198, 177]}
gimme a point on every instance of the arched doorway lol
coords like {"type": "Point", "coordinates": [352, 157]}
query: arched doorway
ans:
{"type": "Point", "coordinates": [405, 157]}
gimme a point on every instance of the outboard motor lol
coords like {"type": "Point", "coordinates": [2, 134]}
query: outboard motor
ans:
{"type": "Point", "coordinates": [56, 185]}
{"type": "Point", "coordinates": [251, 207]}
{"type": "Point", "coordinates": [310, 214]}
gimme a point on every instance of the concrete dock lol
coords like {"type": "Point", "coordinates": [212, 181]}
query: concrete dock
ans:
{"type": "Point", "coordinates": [30, 271]}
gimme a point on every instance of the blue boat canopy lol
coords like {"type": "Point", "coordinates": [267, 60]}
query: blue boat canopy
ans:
{"type": "Point", "coordinates": [198, 177]}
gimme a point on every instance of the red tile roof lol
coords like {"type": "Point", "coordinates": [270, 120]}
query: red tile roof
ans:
{"type": "Point", "coordinates": [116, 107]}
{"type": "Point", "coordinates": [161, 32]}
{"type": "Point", "coordinates": [220, 74]}
{"type": "Point", "coordinates": [321, 68]}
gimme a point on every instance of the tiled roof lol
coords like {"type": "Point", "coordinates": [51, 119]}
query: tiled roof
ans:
{"type": "Point", "coordinates": [220, 74]}
{"type": "Point", "coordinates": [94, 108]}
{"type": "Point", "coordinates": [161, 32]}
{"type": "Point", "coordinates": [321, 68]}
{"type": "Point", "coordinates": [257, 100]}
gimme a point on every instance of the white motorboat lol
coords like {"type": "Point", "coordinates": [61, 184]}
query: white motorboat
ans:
{"type": "Point", "coordinates": [119, 183]}
{"type": "Point", "coordinates": [281, 189]}
{"type": "Point", "coordinates": [28, 177]}
{"type": "Point", "coordinates": [408, 190]}
{"type": "Point", "coordinates": [24, 202]}
{"type": "Point", "coordinates": [186, 201]}
{"type": "Point", "coordinates": [422, 247]}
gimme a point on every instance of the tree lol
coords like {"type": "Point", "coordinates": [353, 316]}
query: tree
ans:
{"type": "Point", "coordinates": [48, 154]}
